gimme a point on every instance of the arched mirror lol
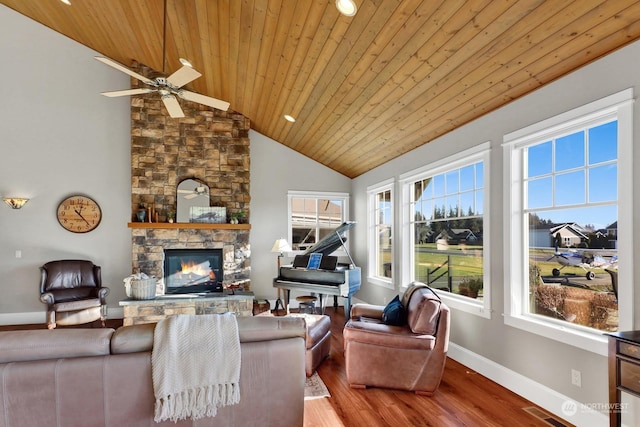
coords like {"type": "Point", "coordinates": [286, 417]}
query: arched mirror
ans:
{"type": "Point", "coordinates": [190, 193]}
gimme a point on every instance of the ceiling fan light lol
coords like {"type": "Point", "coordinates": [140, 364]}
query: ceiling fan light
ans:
{"type": "Point", "coordinates": [289, 118]}
{"type": "Point", "coordinates": [347, 7]}
{"type": "Point", "coordinates": [186, 62]}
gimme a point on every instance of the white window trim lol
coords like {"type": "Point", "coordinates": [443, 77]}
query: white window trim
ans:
{"type": "Point", "coordinates": [475, 154]}
{"type": "Point", "coordinates": [620, 106]}
{"type": "Point", "coordinates": [318, 195]}
{"type": "Point", "coordinates": [372, 192]}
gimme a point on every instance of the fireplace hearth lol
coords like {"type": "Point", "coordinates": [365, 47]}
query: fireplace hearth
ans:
{"type": "Point", "coordinates": [193, 270]}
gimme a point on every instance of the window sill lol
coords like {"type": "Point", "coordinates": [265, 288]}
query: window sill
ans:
{"type": "Point", "coordinates": [595, 342]}
{"type": "Point", "coordinates": [381, 282]}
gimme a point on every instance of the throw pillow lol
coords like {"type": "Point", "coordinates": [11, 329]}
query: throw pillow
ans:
{"type": "Point", "coordinates": [394, 313]}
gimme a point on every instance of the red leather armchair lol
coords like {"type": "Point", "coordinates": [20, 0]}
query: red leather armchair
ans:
{"type": "Point", "coordinates": [73, 292]}
{"type": "Point", "coordinates": [409, 357]}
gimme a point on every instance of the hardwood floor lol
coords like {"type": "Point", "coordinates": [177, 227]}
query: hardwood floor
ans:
{"type": "Point", "coordinates": [464, 398]}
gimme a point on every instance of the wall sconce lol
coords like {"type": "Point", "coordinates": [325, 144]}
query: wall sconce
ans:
{"type": "Point", "coordinates": [15, 202]}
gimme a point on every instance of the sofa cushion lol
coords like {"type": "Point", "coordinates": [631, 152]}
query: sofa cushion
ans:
{"type": "Point", "coordinates": [423, 311]}
{"type": "Point", "coordinates": [20, 346]}
{"type": "Point", "coordinates": [368, 331]}
{"type": "Point", "coordinates": [394, 313]}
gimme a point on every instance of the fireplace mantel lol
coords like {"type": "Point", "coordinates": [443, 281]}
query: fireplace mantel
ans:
{"type": "Point", "coordinates": [189, 225]}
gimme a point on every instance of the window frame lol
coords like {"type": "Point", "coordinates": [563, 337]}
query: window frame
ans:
{"type": "Point", "coordinates": [372, 193]}
{"type": "Point", "coordinates": [479, 153]}
{"type": "Point", "coordinates": [618, 106]}
{"type": "Point", "coordinates": [317, 195]}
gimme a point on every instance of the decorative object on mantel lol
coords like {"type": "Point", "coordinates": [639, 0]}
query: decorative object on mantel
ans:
{"type": "Point", "coordinates": [142, 213]}
{"type": "Point", "coordinates": [208, 214]}
{"type": "Point", "coordinates": [191, 193]}
{"type": "Point", "coordinates": [171, 216]}
{"type": "Point", "coordinates": [15, 202]}
{"type": "Point", "coordinates": [237, 217]}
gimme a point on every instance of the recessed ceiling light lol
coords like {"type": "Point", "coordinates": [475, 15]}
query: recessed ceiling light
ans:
{"type": "Point", "coordinates": [289, 118]}
{"type": "Point", "coordinates": [66, 2]}
{"type": "Point", "coordinates": [347, 7]}
{"type": "Point", "coordinates": [186, 62]}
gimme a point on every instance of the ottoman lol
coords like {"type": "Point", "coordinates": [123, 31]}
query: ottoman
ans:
{"type": "Point", "coordinates": [318, 341]}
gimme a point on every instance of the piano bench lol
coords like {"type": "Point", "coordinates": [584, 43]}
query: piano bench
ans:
{"type": "Point", "coordinates": [307, 303]}
{"type": "Point", "coordinates": [318, 341]}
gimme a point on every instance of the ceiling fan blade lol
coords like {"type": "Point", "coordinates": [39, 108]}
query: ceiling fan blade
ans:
{"type": "Point", "coordinates": [172, 105]}
{"type": "Point", "coordinates": [183, 76]}
{"type": "Point", "coordinates": [127, 92]}
{"type": "Point", "coordinates": [124, 69]}
{"type": "Point", "coordinates": [190, 196]}
{"type": "Point", "coordinates": [206, 100]}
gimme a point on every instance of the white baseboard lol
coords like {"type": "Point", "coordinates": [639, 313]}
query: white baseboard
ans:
{"type": "Point", "coordinates": [562, 406]}
{"type": "Point", "coordinates": [38, 317]}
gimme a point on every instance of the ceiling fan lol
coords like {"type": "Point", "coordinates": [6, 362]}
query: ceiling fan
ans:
{"type": "Point", "coordinates": [198, 191]}
{"type": "Point", "coordinates": [168, 88]}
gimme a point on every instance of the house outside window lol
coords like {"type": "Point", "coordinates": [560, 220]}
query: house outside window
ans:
{"type": "Point", "coordinates": [380, 226]}
{"type": "Point", "coordinates": [444, 229]}
{"type": "Point", "coordinates": [561, 256]}
{"type": "Point", "coordinates": [313, 215]}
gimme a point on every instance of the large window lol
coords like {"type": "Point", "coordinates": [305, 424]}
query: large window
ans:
{"type": "Point", "coordinates": [445, 228]}
{"type": "Point", "coordinates": [565, 200]}
{"type": "Point", "coordinates": [380, 234]}
{"type": "Point", "coordinates": [313, 215]}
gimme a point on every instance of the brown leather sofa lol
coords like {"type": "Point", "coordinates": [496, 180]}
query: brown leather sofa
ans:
{"type": "Point", "coordinates": [409, 357]}
{"type": "Point", "coordinates": [101, 377]}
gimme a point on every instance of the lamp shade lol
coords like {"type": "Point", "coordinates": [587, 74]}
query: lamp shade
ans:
{"type": "Point", "coordinates": [281, 245]}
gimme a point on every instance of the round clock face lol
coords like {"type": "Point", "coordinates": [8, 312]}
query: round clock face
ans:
{"type": "Point", "coordinates": [79, 214]}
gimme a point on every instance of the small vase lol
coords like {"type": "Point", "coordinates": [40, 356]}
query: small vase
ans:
{"type": "Point", "coordinates": [141, 215]}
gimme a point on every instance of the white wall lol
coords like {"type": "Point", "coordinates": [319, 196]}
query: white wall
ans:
{"type": "Point", "coordinates": [276, 169]}
{"type": "Point", "coordinates": [545, 362]}
{"type": "Point", "coordinates": [58, 136]}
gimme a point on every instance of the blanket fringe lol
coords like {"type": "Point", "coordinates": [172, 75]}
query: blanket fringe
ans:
{"type": "Point", "coordinates": [196, 403]}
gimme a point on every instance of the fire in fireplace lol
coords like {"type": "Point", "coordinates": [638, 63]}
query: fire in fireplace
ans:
{"type": "Point", "coordinates": [193, 270]}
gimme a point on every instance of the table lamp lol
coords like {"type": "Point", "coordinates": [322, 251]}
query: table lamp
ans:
{"type": "Point", "coordinates": [280, 246]}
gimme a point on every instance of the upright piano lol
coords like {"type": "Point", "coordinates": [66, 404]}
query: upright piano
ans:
{"type": "Point", "coordinates": [328, 277]}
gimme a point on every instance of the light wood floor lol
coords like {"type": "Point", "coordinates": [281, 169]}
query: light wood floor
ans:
{"type": "Point", "coordinates": [464, 398]}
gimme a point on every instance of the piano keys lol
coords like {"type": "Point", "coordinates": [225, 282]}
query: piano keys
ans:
{"type": "Point", "coordinates": [330, 278]}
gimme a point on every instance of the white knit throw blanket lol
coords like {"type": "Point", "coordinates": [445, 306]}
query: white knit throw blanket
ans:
{"type": "Point", "coordinates": [195, 365]}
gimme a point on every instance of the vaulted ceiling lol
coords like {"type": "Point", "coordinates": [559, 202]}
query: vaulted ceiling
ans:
{"type": "Point", "coordinates": [365, 89]}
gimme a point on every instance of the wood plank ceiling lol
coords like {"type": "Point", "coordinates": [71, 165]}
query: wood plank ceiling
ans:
{"type": "Point", "coordinates": [366, 89]}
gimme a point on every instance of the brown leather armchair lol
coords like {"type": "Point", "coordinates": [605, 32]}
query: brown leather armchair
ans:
{"type": "Point", "coordinates": [73, 292]}
{"type": "Point", "coordinates": [409, 357]}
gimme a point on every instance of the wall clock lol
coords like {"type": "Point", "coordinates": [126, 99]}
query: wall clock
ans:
{"type": "Point", "coordinates": [79, 214]}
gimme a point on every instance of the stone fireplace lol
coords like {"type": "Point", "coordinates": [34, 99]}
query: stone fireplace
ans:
{"type": "Point", "coordinates": [149, 244]}
{"type": "Point", "coordinates": [207, 145]}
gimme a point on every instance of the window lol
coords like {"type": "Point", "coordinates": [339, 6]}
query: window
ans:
{"type": "Point", "coordinates": [445, 231]}
{"type": "Point", "coordinates": [566, 205]}
{"type": "Point", "coordinates": [380, 234]}
{"type": "Point", "coordinates": [313, 215]}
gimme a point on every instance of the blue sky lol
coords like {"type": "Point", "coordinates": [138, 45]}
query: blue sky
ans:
{"type": "Point", "coordinates": [576, 169]}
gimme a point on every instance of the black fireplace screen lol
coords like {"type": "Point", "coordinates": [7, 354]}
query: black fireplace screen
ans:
{"type": "Point", "coordinates": [193, 270]}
